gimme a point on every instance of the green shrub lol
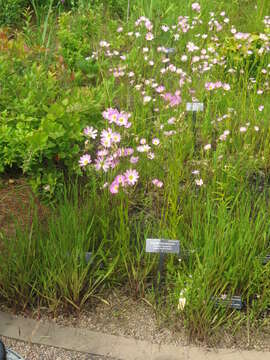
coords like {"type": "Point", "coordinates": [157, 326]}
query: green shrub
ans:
{"type": "Point", "coordinates": [11, 11]}
{"type": "Point", "coordinates": [41, 121]}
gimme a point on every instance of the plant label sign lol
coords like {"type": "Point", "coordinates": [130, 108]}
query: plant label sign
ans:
{"type": "Point", "coordinates": [235, 302]}
{"type": "Point", "coordinates": [194, 106]}
{"type": "Point", "coordinates": [266, 260]}
{"type": "Point", "coordinates": [88, 256]}
{"type": "Point", "coordinates": [170, 50]}
{"type": "Point", "coordinates": [162, 246]}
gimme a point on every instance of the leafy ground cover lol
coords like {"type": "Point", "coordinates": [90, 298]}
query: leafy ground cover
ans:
{"type": "Point", "coordinates": [93, 112]}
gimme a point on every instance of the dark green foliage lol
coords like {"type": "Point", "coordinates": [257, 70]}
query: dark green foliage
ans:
{"type": "Point", "coordinates": [10, 11]}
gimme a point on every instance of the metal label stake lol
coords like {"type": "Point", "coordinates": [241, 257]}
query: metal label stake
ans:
{"type": "Point", "coordinates": [194, 107]}
{"type": "Point", "coordinates": [162, 247]}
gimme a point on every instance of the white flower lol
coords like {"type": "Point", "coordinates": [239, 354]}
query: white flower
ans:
{"type": "Point", "coordinates": [182, 300]}
{"type": "Point", "coordinates": [143, 148]}
{"type": "Point", "coordinates": [146, 99]}
{"type": "Point", "coordinates": [184, 58]}
{"type": "Point", "coordinates": [207, 147]}
{"type": "Point", "coordinates": [182, 303]}
{"type": "Point", "coordinates": [191, 47]}
{"type": "Point", "coordinates": [103, 43]}
{"type": "Point", "coordinates": [199, 182]}
{"type": "Point", "coordinates": [226, 87]}
{"type": "Point", "coordinates": [165, 28]}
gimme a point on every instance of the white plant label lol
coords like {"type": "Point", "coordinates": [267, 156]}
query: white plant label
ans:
{"type": "Point", "coordinates": [162, 246]}
{"type": "Point", "coordinates": [195, 106]}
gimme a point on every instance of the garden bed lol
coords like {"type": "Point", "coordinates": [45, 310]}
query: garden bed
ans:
{"type": "Point", "coordinates": [150, 124]}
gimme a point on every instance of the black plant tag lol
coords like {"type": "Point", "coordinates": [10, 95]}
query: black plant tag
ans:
{"type": "Point", "coordinates": [234, 302]}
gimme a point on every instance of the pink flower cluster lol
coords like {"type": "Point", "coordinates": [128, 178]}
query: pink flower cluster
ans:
{"type": "Point", "coordinates": [129, 178]}
{"type": "Point", "coordinates": [157, 183]}
{"type": "Point", "coordinates": [109, 152]}
{"type": "Point", "coordinates": [173, 99]}
{"type": "Point", "coordinates": [116, 117]}
{"type": "Point", "coordinates": [183, 24]}
{"type": "Point", "coordinates": [146, 21]}
{"type": "Point", "coordinates": [217, 85]}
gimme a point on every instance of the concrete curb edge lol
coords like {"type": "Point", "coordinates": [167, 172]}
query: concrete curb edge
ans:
{"type": "Point", "coordinates": [92, 342]}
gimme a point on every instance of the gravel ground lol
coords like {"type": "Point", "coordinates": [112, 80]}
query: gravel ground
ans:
{"type": "Point", "coordinates": [121, 315]}
{"type": "Point", "coordinates": [40, 352]}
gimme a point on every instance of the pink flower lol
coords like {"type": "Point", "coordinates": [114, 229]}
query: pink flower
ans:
{"type": "Point", "coordinates": [155, 141]}
{"type": "Point", "coordinates": [148, 25]}
{"type": "Point", "coordinates": [173, 100]}
{"type": "Point", "coordinates": [102, 152]}
{"type": "Point", "coordinates": [102, 163]}
{"type": "Point", "coordinates": [110, 115]}
{"type": "Point", "coordinates": [85, 160]}
{"type": "Point", "coordinates": [131, 177]}
{"type": "Point", "coordinates": [106, 137]}
{"type": "Point", "coordinates": [121, 180]}
{"type": "Point", "coordinates": [149, 36]}
{"type": "Point", "coordinates": [143, 141]}
{"type": "Point", "coordinates": [122, 119]}
{"type": "Point", "coordinates": [210, 86]}
{"type": "Point", "coordinates": [134, 159]}
{"type": "Point", "coordinates": [116, 137]}
{"type": "Point", "coordinates": [160, 89]}
{"type": "Point", "coordinates": [128, 151]}
{"type": "Point", "coordinates": [196, 7]}
{"type": "Point", "coordinates": [106, 142]}
{"type": "Point", "coordinates": [171, 120]}
{"type": "Point", "coordinates": [157, 183]}
{"type": "Point", "coordinates": [114, 187]}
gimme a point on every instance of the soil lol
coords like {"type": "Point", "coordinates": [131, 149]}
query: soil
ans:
{"type": "Point", "coordinates": [16, 200]}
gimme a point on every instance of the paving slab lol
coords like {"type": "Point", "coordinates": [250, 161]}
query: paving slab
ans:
{"type": "Point", "coordinates": [123, 348]}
